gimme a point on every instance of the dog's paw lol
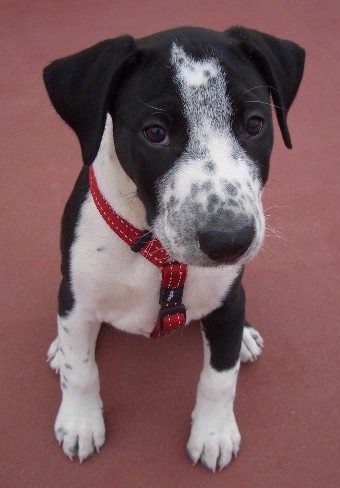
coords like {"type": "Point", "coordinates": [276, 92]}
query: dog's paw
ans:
{"type": "Point", "coordinates": [80, 428]}
{"type": "Point", "coordinates": [214, 446]}
{"type": "Point", "coordinates": [252, 345]}
{"type": "Point", "coordinates": [53, 355]}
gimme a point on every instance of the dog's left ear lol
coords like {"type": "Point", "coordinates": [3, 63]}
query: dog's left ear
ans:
{"type": "Point", "coordinates": [281, 64]}
{"type": "Point", "coordinates": [81, 87]}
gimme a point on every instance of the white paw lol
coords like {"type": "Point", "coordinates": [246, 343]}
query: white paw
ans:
{"type": "Point", "coordinates": [54, 355]}
{"type": "Point", "coordinates": [80, 428]}
{"type": "Point", "coordinates": [213, 443]}
{"type": "Point", "coordinates": [252, 345]}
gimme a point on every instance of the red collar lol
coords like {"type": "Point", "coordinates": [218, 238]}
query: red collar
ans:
{"type": "Point", "coordinates": [172, 314]}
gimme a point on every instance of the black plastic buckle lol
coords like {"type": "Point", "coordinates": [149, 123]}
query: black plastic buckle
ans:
{"type": "Point", "coordinates": [143, 239]}
{"type": "Point", "coordinates": [168, 296]}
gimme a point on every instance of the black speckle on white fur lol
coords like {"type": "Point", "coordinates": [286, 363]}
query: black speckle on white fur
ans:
{"type": "Point", "coordinates": [231, 189]}
{"type": "Point", "coordinates": [209, 167]}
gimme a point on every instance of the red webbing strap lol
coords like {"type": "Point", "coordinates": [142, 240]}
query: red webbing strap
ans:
{"type": "Point", "coordinates": [172, 314]}
{"type": "Point", "coordinates": [151, 250]}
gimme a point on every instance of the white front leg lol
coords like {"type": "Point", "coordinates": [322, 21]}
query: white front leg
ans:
{"type": "Point", "coordinates": [79, 426]}
{"type": "Point", "coordinates": [214, 437]}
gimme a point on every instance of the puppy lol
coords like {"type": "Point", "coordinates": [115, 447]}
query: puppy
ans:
{"type": "Point", "coordinates": [176, 134]}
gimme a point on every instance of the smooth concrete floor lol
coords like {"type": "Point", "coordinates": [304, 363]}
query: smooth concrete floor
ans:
{"type": "Point", "coordinates": [287, 403]}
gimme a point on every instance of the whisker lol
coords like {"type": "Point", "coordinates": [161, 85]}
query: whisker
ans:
{"type": "Point", "coordinates": [129, 196]}
{"type": "Point", "coordinates": [150, 106]}
{"type": "Point", "coordinates": [260, 86]}
{"type": "Point", "coordinates": [265, 103]}
{"type": "Point", "coordinates": [276, 206]}
{"type": "Point", "coordinates": [265, 248]}
{"type": "Point", "coordinates": [275, 233]}
{"type": "Point", "coordinates": [278, 228]}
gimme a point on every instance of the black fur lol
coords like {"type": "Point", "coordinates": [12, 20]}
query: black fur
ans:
{"type": "Point", "coordinates": [223, 328]}
{"type": "Point", "coordinates": [280, 63]}
{"type": "Point", "coordinates": [81, 87]}
{"type": "Point", "coordinates": [69, 222]}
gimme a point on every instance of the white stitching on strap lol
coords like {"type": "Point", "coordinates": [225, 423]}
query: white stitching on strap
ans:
{"type": "Point", "coordinates": [113, 223]}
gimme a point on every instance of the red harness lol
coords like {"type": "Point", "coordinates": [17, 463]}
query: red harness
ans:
{"type": "Point", "coordinates": [172, 314]}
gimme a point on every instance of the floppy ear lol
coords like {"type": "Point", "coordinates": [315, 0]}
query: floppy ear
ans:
{"type": "Point", "coordinates": [281, 64]}
{"type": "Point", "coordinates": [81, 87]}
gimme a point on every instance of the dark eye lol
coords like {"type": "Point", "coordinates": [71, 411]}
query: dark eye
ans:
{"type": "Point", "coordinates": [254, 125]}
{"type": "Point", "coordinates": [156, 135]}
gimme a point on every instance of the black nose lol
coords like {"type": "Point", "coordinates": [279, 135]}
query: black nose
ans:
{"type": "Point", "coordinates": [226, 245]}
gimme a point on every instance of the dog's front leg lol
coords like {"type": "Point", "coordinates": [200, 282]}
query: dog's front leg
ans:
{"type": "Point", "coordinates": [79, 426]}
{"type": "Point", "coordinates": [215, 437]}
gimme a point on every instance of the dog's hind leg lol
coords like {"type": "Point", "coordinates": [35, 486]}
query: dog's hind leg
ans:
{"type": "Point", "coordinates": [79, 426]}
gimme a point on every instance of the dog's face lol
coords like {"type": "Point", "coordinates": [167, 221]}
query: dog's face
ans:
{"type": "Point", "coordinates": [192, 129]}
{"type": "Point", "coordinates": [196, 138]}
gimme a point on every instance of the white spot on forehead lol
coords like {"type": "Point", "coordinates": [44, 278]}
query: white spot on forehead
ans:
{"type": "Point", "coordinates": [208, 112]}
{"type": "Point", "coordinates": [202, 86]}
{"type": "Point", "coordinates": [193, 73]}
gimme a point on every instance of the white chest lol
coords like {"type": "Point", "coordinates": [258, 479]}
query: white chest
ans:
{"type": "Point", "coordinates": [122, 288]}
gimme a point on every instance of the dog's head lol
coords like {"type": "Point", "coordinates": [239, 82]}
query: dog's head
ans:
{"type": "Point", "coordinates": [191, 111]}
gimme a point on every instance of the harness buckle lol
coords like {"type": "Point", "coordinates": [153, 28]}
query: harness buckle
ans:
{"type": "Point", "coordinates": [169, 296]}
{"type": "Point", "coordinates": [143, 239]}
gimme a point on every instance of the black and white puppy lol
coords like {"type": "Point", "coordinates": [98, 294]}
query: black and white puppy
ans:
{"type": "Point", "coordinates": [178, 129]}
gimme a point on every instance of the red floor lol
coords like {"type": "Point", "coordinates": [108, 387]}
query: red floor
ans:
{"type": "Point", "coordinates": [288, 402]}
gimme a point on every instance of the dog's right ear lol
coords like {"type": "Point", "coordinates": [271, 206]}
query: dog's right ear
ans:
{"type": "Point", "coordinates": [81, 87]}
{"type": "Point", "coordinates": [281, 64]}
